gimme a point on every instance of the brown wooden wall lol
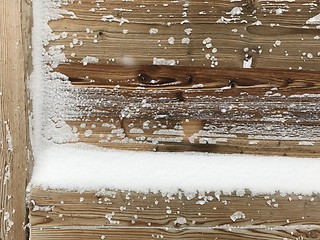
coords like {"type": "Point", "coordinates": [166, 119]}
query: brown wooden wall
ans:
{"type": "Point", "coordinates": [207, 101]}
{"type": "Point", "coordinates": [127, 99]}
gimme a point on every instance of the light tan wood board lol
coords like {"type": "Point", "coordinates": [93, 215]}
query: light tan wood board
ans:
{"type": "Point", "coordinates": [130, 215]}
{"type": "Point", "coordinates": [15, 160]}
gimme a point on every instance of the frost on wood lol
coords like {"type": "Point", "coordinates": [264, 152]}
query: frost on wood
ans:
{"type": "Point", "coordinates": [54, 98]}
{"type": "Point", "coordinates": [8, 137]}
{"type": "Point", "coordinates": [8, 222]}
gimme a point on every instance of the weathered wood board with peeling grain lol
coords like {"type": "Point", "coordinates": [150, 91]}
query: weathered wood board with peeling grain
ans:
{"type": "Point", "coordinates": [130, 215]}
{"type": "Point", "coordinates": [15, 151]}
{"type": "Point", "coordinates": [207, 101]}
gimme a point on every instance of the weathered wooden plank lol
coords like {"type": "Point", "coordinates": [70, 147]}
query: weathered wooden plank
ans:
{"type": "Point", "coordinates": [15, 27]}
{"type": "Point", "coordinates": [150, 77]}
{"type": "Point", "coordinates": [115, 214]}
{"type": "Point", "coordinates": [150, 233]}
{"type": "Point", "coordinates": [191, 107]}
{"type": "Point", "coordinates": [114, 208]}
{"type": "Point", "coordinates": [166, 108]}
{"type": "Point", "coordinates": [274, 34]}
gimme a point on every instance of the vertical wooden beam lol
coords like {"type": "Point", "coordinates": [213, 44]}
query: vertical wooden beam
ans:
{"type": "Point", "coordinates": [15, 66]}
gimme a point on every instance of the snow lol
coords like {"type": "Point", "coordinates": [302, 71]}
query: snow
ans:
{"type": "Point", "coordinates": [89, 59]}
{"type": "Point", "coordinates": [237, 215]}
{"type": "Point", "coordinates": [83, 167]}
{"type": "Point", "coordinates": [314, 20]}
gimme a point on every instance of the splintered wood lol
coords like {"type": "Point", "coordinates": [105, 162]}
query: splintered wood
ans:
{"type": "Point", "coordinates": [130, 215]}
{"type": "Point", "coordinates": [206, 98]}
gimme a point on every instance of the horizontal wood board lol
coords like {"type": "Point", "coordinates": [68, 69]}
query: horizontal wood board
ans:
{"type": "Point", "coordinates": [149, 233]}
{"type": "Point", "coordinates": [274, 34]}
{"type": "Point", "coordinates": [207, 101]}
{"type": "Point", "coordinates": [165, 108]}
{"type": "Point", "coordinates": [130, 215]}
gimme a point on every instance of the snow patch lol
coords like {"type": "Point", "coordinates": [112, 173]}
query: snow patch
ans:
{"type": "Point", "coordinates": [83, 167]}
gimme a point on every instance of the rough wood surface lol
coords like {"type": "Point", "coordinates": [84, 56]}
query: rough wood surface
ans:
{"type": "Point", "coordinates": [207, 101]}
{"type": "Point", "coordinates": [151, 233]}
{"type": "Point", "coordinates": [15, 35]}
{"type": "Point", "coordinates": [165, 108]}
{"type": "Point", "coordinates": [274, 34]}
{"type": "Point", "coordinates": [130, 215]}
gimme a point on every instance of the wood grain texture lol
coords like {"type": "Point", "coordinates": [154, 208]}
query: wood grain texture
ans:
{"type": "Point", "coordinates": [118, 215]}
{"type": "Point", "coordinates": [124, 102]}
{"type": "Point", "coordinates": [274, 34]}
{"type": "Point", "coordinates": [166, 108]}
{"type": "Point", "coordinates": [15, 66]}
{"type": "Point", "coordinates": [150, 233]}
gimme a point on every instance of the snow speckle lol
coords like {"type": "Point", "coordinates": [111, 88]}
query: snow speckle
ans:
{"type": "Point", "coordinates": [235, 11]}
{"type": "Point", "coordinates": [153, 31]}
{"type": "Point", "coordinates": [111, 18]}
{"type": "Point", "coordinates": [306, 143]}
{"type": "Point", "coordinates": [163, 61]}
{"type": "Point", "coordinates": [109, 217]}
{"type": "Point", "coordinates": [207, 41]}
{"type": "Point", "coordinates": [257, 23]}
{"type": "Point", "coordinates": [314, 20]}
{"type": "Point", "coordinates": [8, 222]}
{"type": "Point", "coordinates": [180, 220]}
{"type": "Point", "coordinates": [247, 63]}
{"type": "Point", "coordinates": [277, 43]}
{"type": "Point", "coordinates": [188, 31]}
{"type": "Point", "coordinates": [88, 133]}
{"type": "Point", "coordinates": [171, 40]}
{"type": "Point", "coordinates": [185, 40]}
{"type": "Point", "coordinates": [237, 215]}
{"type": "Point", "coordinates": [8, 137]}
{"type": "Point", "coordinates": [89, 59]}
{"type": "Point", "coordinates": [7, 174]}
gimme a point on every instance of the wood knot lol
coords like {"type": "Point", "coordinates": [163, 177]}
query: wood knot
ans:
{"type": "Point", "coordinates": [232, 84]}
{"type": "Point", "coordinates": [289, 80]}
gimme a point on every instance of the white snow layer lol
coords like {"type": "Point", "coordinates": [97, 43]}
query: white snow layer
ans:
{"type": "Point", "coordinates": [79, 167]}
